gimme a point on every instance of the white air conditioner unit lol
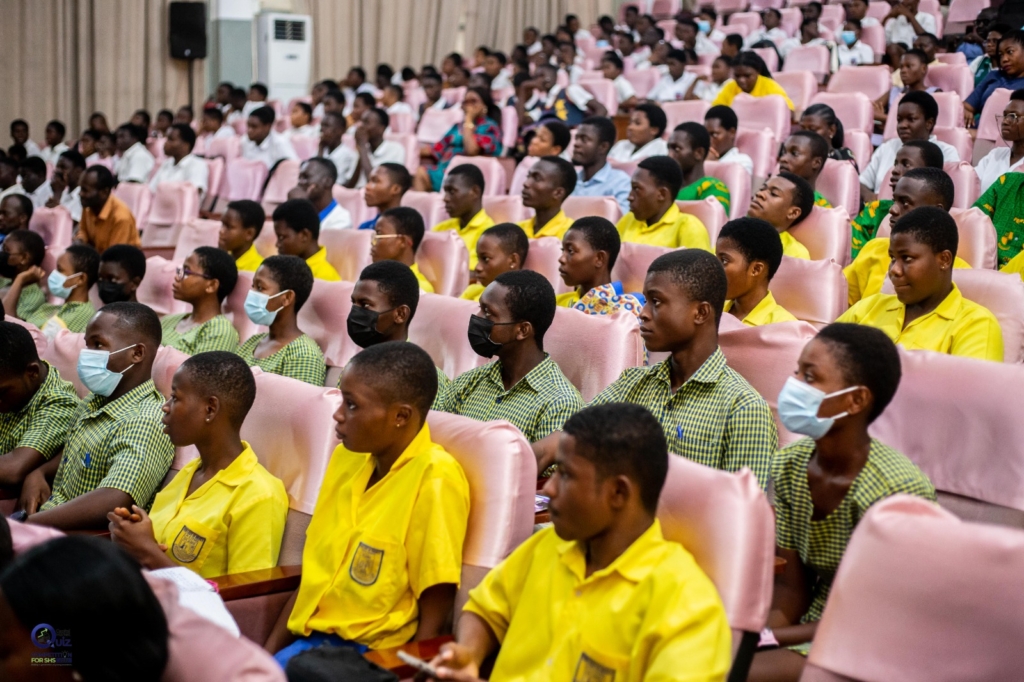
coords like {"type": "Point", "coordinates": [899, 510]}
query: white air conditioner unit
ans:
{"type": "Point", "coordinates": [284, 47]}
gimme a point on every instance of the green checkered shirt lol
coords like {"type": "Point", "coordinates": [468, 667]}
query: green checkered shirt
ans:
{"type": "Point", "coordinates": [42, 424]}
{"type": "Point", "coordinates": [117, 444]}
{"type": "Point", "coordinates": [706, 187]}
{"type": "Point", "coordinates": [214, 334]}
{"type": "Point", "coordinates": [32, 297]}
{"type": "Point", "coordinates": [537, 405]}
{"type": "Point", "coordinates": [715, 418]}
{"type": "Point", "coordinates": [301, 359]}
{"type": "Point", "coordinates": [75, 316]}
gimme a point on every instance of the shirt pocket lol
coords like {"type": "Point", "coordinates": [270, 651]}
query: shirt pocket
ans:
{"type": "Point", "coordinates": [191, 542]}
{"type": "Point", "coordinates": [598, 664]}
{"type": "Point", "coordinates": [377, 571]}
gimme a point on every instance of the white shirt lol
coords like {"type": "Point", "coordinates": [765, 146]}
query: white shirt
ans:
{"type": "Point", "coordinates": [307, 130]}
{"type": "Point", "coordinates": [92, 158]}
{"type": "Point", "coordinates": [623, 89]}
{"type": "Point", "coordinates": [669, 90]}
{"type": "Point", "coordinates": [856, 54]}
{"type": "Point", "coordinates": [900, 30]}
{"type": "Point", "coordinates": [502, 81]}
{"type": "Point", "coordinates": [337, 219]}
{"type": "Point", "coordinates": [534, 48]}
{"type": "Point", "coordinates": [624, 150]}
{"type": "Point", "coordinates": [583, 33]}
{"type": "Point", "coordinates": [51, 154]}
{"type": "Point", "coordinates": [190, 169]}
{"type": "Point", "coordinates": [235, 116]}
{"type": "Point", "coordinates": [994, 164]}
{"type": "Point", "coordinates": [275, 147]}
{"type": "Point", "coordinates": [135, 165]}
{"type": "Point", "coordinates": [575, 72]}
{"type": "Point", "coordinates": [72, 201]}
{"type": "Point", "coordinates": [389, 151]}
{"type": "Point", "coordinates": [41, 195]}
{"type": "Point", "coordinates": [708, 90]}
{"type": "Point", "coordinates": [793, 43]}
{"type": "Point", "coordinates": [345, 159]}
{"type": "Point", "coordinates": [318, 111]}
{"type": "Point", "coordinates": [252, 106]}
{"type": "Point", "coordinates": [16, 188]}
{"type": "Point", "coordinates": [224, 131]}
{"type": "Point", "coordinates": [885, 156]}
{"type": "Point", "coordinates": [734, 155]}
{"type": "Point", "coordinates": [400, 108]}
{"type": "Point", "coordinates": [775, 35]}
{"type": "Point", "coordinates": [574, 93]}
{"type": "Point", "coordinates": [31, 148]}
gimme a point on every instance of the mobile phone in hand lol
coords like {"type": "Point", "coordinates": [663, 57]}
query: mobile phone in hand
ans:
{"type": "Point", "coordinates": [420, 665]}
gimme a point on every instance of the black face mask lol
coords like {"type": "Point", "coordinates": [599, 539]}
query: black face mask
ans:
{"type": "Point", "coordinates": [7, 271]}
{"type": "Point", "coordinates": [112, 292]}
{"type": "Point", "coordinates": [362, 326]}
{"type": "Point", "coordinates": [480, 329]}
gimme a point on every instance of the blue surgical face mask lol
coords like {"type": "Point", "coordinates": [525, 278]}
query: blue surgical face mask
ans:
{"type": "Point", "coordinates": [56, 284]}
{"type": "Point", "coordinates": [849, 37]}
{"type": "Point", "coordinates": [704, 26]}
{"type": "Point", "coordinates": [92, 370]}
{"type": "Point", "coordinates": [256, 307]}
{"type": "Point", "coordinates": [798, 408]}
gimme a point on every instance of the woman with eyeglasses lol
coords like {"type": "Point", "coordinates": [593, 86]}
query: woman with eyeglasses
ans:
{"type": "Point", "coordinates": [203, 281]}
{"type": "Point", "coordinates": [1008, 159]}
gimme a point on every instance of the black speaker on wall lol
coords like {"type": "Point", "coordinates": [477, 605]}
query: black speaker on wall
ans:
{"type": "Point", "coordinates": [188, 30]}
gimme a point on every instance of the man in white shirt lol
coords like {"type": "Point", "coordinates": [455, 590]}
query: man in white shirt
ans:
{"type": "Point", "coordinates": [345, 159]}
{"type": "Point", "coordinates": [316, 183]}
{"type": "Point", "coordinates": [494, 66]}
{"type": "Point", "coordinates": [643, 135]}
{"type": "Point", "coordinates": [136, 163]}
{"type": "Point", "coordinates": [625, 93]}
{"type": "Point", "coordinates": [373, 149]}
{"type": "Point", "coordinates": [33, 181]}
{"type": "Point", "coordinates": [904, 23]}
{"type": "Point", "coordinates": [572, 22]}
{"type": "Point", "coordinates": [578, 102]}
{"type": "Point", "coordinates": [771, 29]}
{"type": "Point", "coordinates": [531, 39]}
{"type": "Point", "coordinates": [301, 119]}
{"type": "Point", "coordinates": [19, 134]}
{"type": "Point", "coordinates": [676, 84]}
{"type": "Point", "coordinates": [55, 146]}
{"type": "Point", "coordinates": [262, 142]}
{"type": "Point", "coordinates": [808, 36]}
{"type": "Point", "coordinates": [239, 98]}
{"type": "Point", "coordinates": [66, 192]}
{"type": "Point", "coordinates": [355, 83]}
{"type": "Point", "coordinates": [181, 165]}
{"type": "Point", "coordinates": [212, 126]}
{"type": "Point", "coordinates": [256, 98]}
{"type": "Point", "coordinates": [721, 123]}
{"type": "Point", "coordinates": [1002, 160]}
{"type": "Point", "coordinates": [851, 51]}
{"type": "Point", "coordinates": [858, 9]}
{"type": "Point", "coordinates": [392, 100]}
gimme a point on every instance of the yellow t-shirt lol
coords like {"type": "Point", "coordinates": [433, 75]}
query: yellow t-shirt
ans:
{"type": "Point", "coordinates": [763, 86]}
{"type": "Point", "coordinates": [249, 261]}
{"type": "Point", "coordinates": [956, 327]}
{"type": "Point", "coordinates": [231, 524]}
{"type": "Point", "coordinates": [472, 292]}
{"type": "Point", "coordinates": [370, 553]}
{"type": "Point", "coordinates": [675, 229]}
{"type": "Point", "coordinates": [767, 311]}
{"type": "Point", "coordinates": [425, 285]}
{"type": "Point", "coordinates": [652, 614]}
{"type": "Point", "coordinates": [1015, 266]}
{"type": "Point", "coordinates": [793, 248]}
{"type": "Point", "coordinates": [470, 233]}
{"type": "Point", "coordinates": [321, 268]}
{"type": "Point", "coordinates": [556, 227]}
{"type": "Point", "coordinates": [866, 274]}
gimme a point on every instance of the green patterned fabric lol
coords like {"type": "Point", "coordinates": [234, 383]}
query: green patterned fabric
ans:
{"type": "Point", "coordinates": [31, 299]}
{"type": "Point", "coordinates": [865, 225]}
{"type": "Point", "coordinates": [706, 187]}
{"type": "Point", "coordinates": [301, 359]}
{"type": "Point", "coordinates": [820, 200]}
{"type": "Point", "coordinates": [74, 316]}
{"type": "Point", "coordinates": [1003, 202]}
{"type": "Point", "coordinates": [42, 424]}
{"type": "Point", "coordinates": [215, 334]}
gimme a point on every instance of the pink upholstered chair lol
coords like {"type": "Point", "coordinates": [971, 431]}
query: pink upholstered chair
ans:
{"type": "Point", "coordinates": [430, 205]}
{"type": "Point", "coordinates": [762, 148]}
{"type": "Point", "coordinates": [138, 198]}
{"type": "Point", "coordinates": [243, 179]}
{"type": "Point", "coordinates": [988, 134]}
{"type": "Point", "coordinates": [165, 364]}
{"type": "Point", "coordinates": [966, 183]}
{"type": "Point", "coordinates": [401, 122]}
{"type": "Point", "coordinates": [515, 187]}
{"type": "Point", "coordinates": [951, 108]}
{"type": "Point", "coordinates": [681, 111]}
{"type": "Point", "coordinates": [354, 201]}
{"type": "Point", "coordinates": [604, 91]}
{"type": "Point", "coordinates": [444, 261]}
{"type": "Point", "coordinates": [155, 289]}
{"type": "Point", "coordinates": [174, 204]}
{"type": "Point", "coordinates": [759, 5]}
{"type": "Point", "coordinates": [593, 350]}
{"type": "Point", "coordinates": [633, 262]}
{"type": "Point", "coordinates": [62, 352]}
{"type": "Point", "coordinates": [435, 124]}
{"type": "Point", "coordinates": [543, 258]}
{"type": "Point", "coordinates": [643, 80]}
{"type": "Point", "coordinates": [813, 290]}
{"type": "Point", "coordinates": [770, 57]}
{"type": "Point", "coordinates": [439, 328]}
{"type": "Point", "coordinates": [959, 138]}
{"type": "Point", "coordinates": [214, 181]}
{"type": "Point", "coordinates": [627, 167]}
{"type": "Point", "coordinates": [284, 179]}
{"type": "Point", "coordinates": [859, 142]}
{"type": "Point", "coordinates": [411, 145]}
{"type": "Point", "coordinates": [348, 251]}
{"type": "Point", "coordinates": [813, 58]}
{"type": "Point", "coordinates": [509, 127]}
{"type": "Point", "coordinates": [228, 148]}
{"type": "Point", "coordinates": [763, 112]}
{"type": "Point", "coordinates": [889, 584]}
{"type": "Point", "coordinates": [581, 207]}
{"type": "Point", "coordinates": [234, 307]}
{"type": "Point", "coordinates": [873, 81]}
{"type": "Point", "coordinates": [854, 109]}
{"type": "Point", "coordinates": [323, 318]}
{"type": "Point", "coordinates": [266, 240]}
{"type": "Point", "coordinates": [495, 181]}
{"type": "Point", "coordinates": [727, 7]}
{"type": "Point", "coordinates": [826, 234]}
{"type": "Point", "coordinates": [54, 225]}
{"type": "Point", "coordinates": [840, 184]}
{"type": "Point", "coordinates": [306, 146]}
{"type": "Point", "coordinates": [738, 182]}
{"type": "Point", "coordinates": [800, 85]}
{"type": "Point", "coordinates": [833, 17]}
{"type": "Point", "coordinates": [454, 96]}
{"type": "Point", "coordinates": [752, 20]}
{"type": "Point", "coordinates": [874, 37]}
{"type": "Point", "coordinates": [709, 211]}
{"type": "Point", "coordinates": [195, 233]}
{"type": "Point", "coordinates": [951, 78]}
{"type": "Point", "coordinates": [506, 209]}
{"type": "Point", "coordinates": [38, 338]}
{"type": "Point", "coordinates": [965, 12]}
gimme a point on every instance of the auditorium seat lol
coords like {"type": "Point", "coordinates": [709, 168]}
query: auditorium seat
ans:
{"type": "Point", "coordinates": [854, 109]}
{"type": "Point", "coordinates": [195, 233]}
{"type": "Point", "coordinates": [138, 198]}
{"type": "Point", "coordinates": [348, 251]}
{"type": "Point", "coordinates": [709, 211]}
{"type": "Point", "coordinates": [769, 112]}
{"type": "Point", "coordinates": [215, 178]}
{"type": "Point", "coordinates": [515, 186]}
{"type": "Point", "coordinates": [826, 234]}
{"type": "Point", "coordinates": [165, 363]}
{"type": "Point", "coordinates": [228, 148]}
{"type": "Point", "coordinates": [444, 260]}
{"type": "Point", "coordinates": [430, 205]}
{"type": "Point", "coordinates": [234, 307]}
{"type": "Point", "coordinates": [435, 124]}
{"type": "Point", "coordinates": [354, 201]}
{"type": "Point", "coordinates": [593, 350]}
{"type": "Point", "coordinates": [155, 289]}
{"type": "Point", "coordinates": [62, 352]}
{"type": "Point", "coordinates": [762, 148]}
{"type": "Point", "coordinates": [506, 209]}
{"type": "Point", "coordinates": [324, 317]}
{"type": "Point", "coordinates": [284, 179]}
{"type": "Point", "coordinates": [812, 290]}
{"type": "Point", "coordinates": [737, 180]}
{"type": "Point", "coordinates": [54, 225]}
{"type": "Point", "coordinates": [873, 81]}
{"type": "Point", "coordinates": [988, 134]}
{"type": "Point", "coordinates": [495, 181]}
{"type": "Point", "coordinates": [543, 258]}
{"type": "Point", "coordinates": [174, 204]}
{"type": "Point", "coordinates": [411, 144]}
{"type": "Point", "coordinates": [582, 207]}
{"type": "Point", "coordinates": [684, 110]}
{"type": "Point", "coordinates": [243, 179]}
{"type": "Point", "coordinates": [440, 328]}
{"type": "Point", "coordinates": [840, 184]}
{"type": "Point", "coordinates": [633, 262]}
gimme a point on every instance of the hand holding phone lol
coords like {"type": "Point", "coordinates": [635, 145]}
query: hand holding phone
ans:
{"type": "Point", "coordinates": [420, 665]}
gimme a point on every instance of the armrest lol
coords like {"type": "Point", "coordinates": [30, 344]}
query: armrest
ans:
{"type": "Point", "coordinates": [389, 660]}
{"type": "Point", "coordinates": [257, 583]}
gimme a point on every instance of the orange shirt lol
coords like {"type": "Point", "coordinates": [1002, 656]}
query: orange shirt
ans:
{"type": "Point", "coordinates": [115, 224]}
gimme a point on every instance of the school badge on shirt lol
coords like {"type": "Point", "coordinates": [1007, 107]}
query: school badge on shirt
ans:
{"type": "Point", "coordinates": [187, 545]}
{"type": "Point", "coordinates": [589, 670]}
{"type": "Point", "coordinates": [366, 563]}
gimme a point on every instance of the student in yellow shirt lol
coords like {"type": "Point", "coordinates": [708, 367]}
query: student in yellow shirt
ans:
{"type": "Point", "coordinates": [928, 312]}
{"type": "Point", "coordinates": [653, 216]}
{"type": "Point", "coordinates": [751, 253]}
{"type": "Point", "coordinates": [500, 249]}
{"type": "Point", "coordinates": [804, 154]}
{"type": "Point", "coordinates": [602, 595]}
{"type": "Point", "coordinates": [241, 223]}
{"type": "Point", "coordinates": [750, 75]}
{"type": "Point", "coordinates": [547, 185]}
{"type": "Point", "coordinates": [463, 200]}
{"type": "Point", "coordinates": [297, 226]}
{"type": "Point", "coordinates": [397, 236]}
{"type": "Point", "coordinates": [589, 251]}
{"type": "Point", "coordinates": [223, 512]}
{"type": "Point", "coordinates": [383, 554]}
{"type": "Point", "coordinates": [784, 201]}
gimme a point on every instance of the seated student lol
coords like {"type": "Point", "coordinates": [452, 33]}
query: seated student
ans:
{"type": "Point", "coordinates": [597, 178]}
{"type": "Point", "coordinates": [1009, 75]}
{"type": "Point", "coordinates": [625, 93]}
{"type": "Point", "coordinates": [106, 220]}
{"type": "Point", "coordinates": [500, 248]}
{"type": "Point", "coordinates": [643, 135]}
{"type": "Point", "coordinates": [709, 413]}
{"type": "Point", "coordinates": [913, 70]}
{"type": "Point", "coordinates": [374, 150]}
{"type": "Point", "coordinates": [77, 269]}
{"type": "Point", "coordinates": [344, 158]}
{"type": "Point", "coordinates": [317, 177]}
{"type": "Point", "coordinates": [300, 120]}
{"type": "Point", "coordinates": [33, 181]}
{"type": "Point", "coordinates": [21, 271]}
{"type": "Point", "coordinates": [397, 236]}
{"type": "Point", "coordinates": [494, 66]}
{"type": "Point", "coordinates": [383, 555]}
{"type": "Point", "coordinates": [255, 98]}
{"type": "Point", "coordinates": [361, 103]}
{"type": "Point", "coordinates": [916, 118]}
{"type": "Point", "coordinates": [853, 52]}
{"type": "Point", "coordinates": [688, 146]}
{"type": "Point", "coordinates": [203, 281]}
{"type": "Point", "coordinates": [19, 135]}
{"type": "Point", "coordinates": [181, 165]}
{"type": "Point", "coordinates": [722, 124]}
{"type": "Point", "coordinates": [297, 226]}
{"type": "Point", "coordinates": [751, 253]}
{"type": "Point", "coordinates": [822, 119]}
{"type": "Point", "coordinates": [675, 85]}
{"type": "Point", "coordinates": [824, 483]}
{"type": "Point", "coordinates": [432, 86]}
{"type": "Point", "coordinates": [142, 119]}
{"type": "Point", "coordinates": [478, 134]}
{"type": "Point", "coordinates": [803, 154]}
{"type": "Point", "coordinates": [67, 175]}
{"type": "Point", "coordinates": [570, 104]}
{"type": "Point", "coordinates": [36, 406]}
{"type": "Point", "coordinates": [121, 270]}
{"type": "Point", "coordinates": [589, 250]}
{"type": "Point", "coordinates": [809, 36]}
{"type": "Point", "coordinates": [750, 75]}
{"type": "Point", "coordinates": [550, 138]}
{"type": "Point", "coordinates": [463, 201]}
{"type": "Point", "coordinates": [264, 144]}
{"type": "Point", "coordinates": [707, 89]}
{"type": "Point", "coordinates": [1008, 159]}
{"type": "Point", "coordinates": [241, 223]}
{"type": "Point", "coordinates": [387, 185]}
{"type": "Point", "coordinates": [1002, 202]}
{"type": "Point", "coordinates": [524, 385]}
{"type": "Point", "coordinates": [784, 201]}
{"type": "Point", "coordinates": [135, 163]}
{"type": "Point", "coordinates": [223, 513]}
{"type": "Point", "coordinates": [212, 125]}
{"type": "Point", "coordinates": [9, 175]}
{"type": "Point", "coordinates": [15, 213]}
{"type": "Point", "coordinates": [55, 145]}
{"type": "Point", "coordinates": [116, 453]}
{"type": "Point", "coordinates": [391, 99]}
{"type": "Point", "coordinates": [653, 216]}
{"type": "Point", "coordinates": [928, 312]}
{"type": "Point", "coordinates": [548, 183]}
{"type": "Point", "coordinates": [568, 604]}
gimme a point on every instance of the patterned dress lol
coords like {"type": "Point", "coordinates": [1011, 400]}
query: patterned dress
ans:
{"type": "Point", "coordinates": [488, 139]}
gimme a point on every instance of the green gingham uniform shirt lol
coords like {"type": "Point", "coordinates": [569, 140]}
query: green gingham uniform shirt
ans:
{"type": "Point", "coordinates": [715, 418]}
{"type": "Point", "coordinates": [31, 299]}
{"type": "Point", "coordinates": [301, 359]}
{"type": "Point", "coordinates": [42, 424]}
{"type": "Point", "coordinates": [117, 444]}
{"type": "Point", "coordinates": [537, 405]}
{"type": "Point", "coordinates": [822, 542]}
{"type": "Point", "coordinates": [215, 334]}
{"type": "Point", "coordinates": [75, 316]}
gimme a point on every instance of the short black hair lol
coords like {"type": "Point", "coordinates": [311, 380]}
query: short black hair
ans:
{"type": "Point", "coordinates": [665, 171]}
{"type": "Point", "coordinates": [930, 151]}
{"type": "Point", "coordinates": [867, 357]}
{"type": "Point", "coordinates": [17, 151]}
{"type": "Point", "coordinates": [359, 71]}
{"type": "Point", "coordinates": [511, 238]}
{"type": "Point", "coordinates": [214, 113]}
{"type": "Point", "coordinates": [698, 134]}
{"type": "Point", "coordinates": [104, 178]}
{"type": "Point", "coordinates": [291, 272]}
{"type": "Point", "coordinates": [138, 318]}
{"type": "Point", "coordinates": [74, 158]}
{"type": "Point", "coordinates": [381, 115]}
{"type": "Point", "coordinates": [756, 239]}
{"type": "Point", "coordinates": [565, 173]}
{"type": "Point", "coordinates": [925, 101]}
{"type": "Point", "coordinates": [145, 116]}
{"type": "Point", "coordinates": [399, 175]}
{"type": "Point", "coordinates": [397, 89]}
{"type": "Point", "coordinates": [698, 272]}
{"type": "Point", "coordinates": [819, 145]}
{"type": "Point", "coordinates": [58, 126]}
{"type": "Point", "coordinates": [937, 180]}
{"type": "Point", "coordinates": [85, 259]}
{"type": "Point", "coordinates": [31, 242]}
{"type": "Point", "coordinates": [408, 222]}
{"type": "Point", "coordinates": [260, 88]}
{"type": "Point", "coordinates": [932, 226]}
{"type": "Point", "coordinates": [605, 128]}
{"type": "Point", "coordinates": [34, 164]}
{"type": "Point", "coordinates": [396, 281]}
{"type": "Point", "coordinates": [559, 131]}
{"type": "Point", "coordinates": [613, 59]}
{"type": "Point", "coordinates": [185, 132]}
{"type": "Point", "coordinates": [917, 54]}
{"type": "Point", "coordinates": [809, 21]}
{"type": "Point", "coordinates": [601, 234]}
{"type": "Point", "coordinates": [686, 21]}
{"type": "Point", "coordinates": [400, 372]}
{"type": "Point", "coordinates": [130, 258]}
{"type": "Point", "coordinates": [225, 375]}
{"type": "Point", "coordinates": [251, 213]}
{"type": "Point", "coordinates": [623, 439]}
{"type": "Point", "coordinates": [678, 55]}
{"type": "Point", "coordinates": [299, 215]}
{"type": "Point", "coordinates": [325, 164]}
{"type": "Point", "coordinates": [17, 349]}
{"type": "Point", "coordinates": [307, 109]}
{"type": "Point", "coordinates": [137, 132]}
{"type": "Point", "coordinates": [734, 39]}
{"type": "Point", "coordinates": [803, 195]}
{"type": "Point", "coordinates": [724, 115]}
{"type": "Point", "coordinates": [500, 56]}
{"type": "Point", "coordinates": [367, 99]}
{"type": "Point", "coordinates": [338, 117]}
{"type": "Point", "coordinates": [469, 174]}
{"type": "Point", "coordinates": [530, 298]}
{"type": "Point", "coordinates": [336, 95]}
{"type": "Point", "coordinates": [1013, 36]}
{"type": "Point", "coordinates": [23, 202]}
{"type": "Point", "coordinates": [264, 115]}
{"type": "Point", "coordinates": [220, 265]}
{"type": "Point", "coordinates": [18, 122]}
{"type": "Point", "coordinates": [165, 113]}
{"type": "Point", "coordinates": [332, 85]}
{"type": "Point", "coordinates": [655, 116]}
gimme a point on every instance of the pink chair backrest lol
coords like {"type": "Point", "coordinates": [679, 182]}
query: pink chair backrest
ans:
{"type": "Point", "coordinates": [812, 58]}
{"type": "Point", "coordinates": [627, 167]}
{"type": "Point", "coordinates": [724, 7]}
{"type": "Point", "coordinates": [738, 182]}
{"type": "Point", "coordinates": [581, 207]}
{"type": "Point", "coordinates": [354, 201]}
{"type": "Point", "coordinates": [709, 211]}
{"type": "Point", "coordinates": [763, 112]}
{"type": "Point", "coordinates": [684, 110]}
{"type": "Point", "coordinates": [959, 138]}
{"type": "Point", "coordinates": [833, 16]}
{"type": "Point", "coordinates": [348, 251]}
{"type": "Point", "coordinates": [854, 109]}
{"type": "Point", "coordinates": [977, 236]}
{"type": "Point", "coordinates": [889, 584]}
{"type": "Point", "coordinates": [632, 264]}
{"type": "Point", "coordinates": [826, 234]}
{"type": "Point", "coordinates": [227, 147]}
{"type": "Point", "coordinates": [593, 350]}
{"type": "Point", "coordinates": [54, 225]}
{"type": "Point", "coordinates": [509, 127]}
{"type": "Point", "coordinates": [515, 187]}
{"type": "Point", "coordinates": [758, 5]}
{"type": "Point", "coordinates": [643, 80]}
{"type": "Point", "coordinates": [878, 9]}
{"type": "Point", "coordinates": [411, 145]}
{"type": "Point", "coordinates": [38, 338]}
{"type": "Point", "coordinates": [165, 364]}
{"type": "Point", "coordinates": [801, 85]}
{"type": "Point", "coordinates": [840, 184]}
{"type": "Point", "coordinates": [401, 122]}
{"type": "Point", "coordinates": [454, 96]}
{"type": "Point", "coordinates": [543, 258]}
{"type": "Point", "coordinates": [414, 96]}
{"type": "Point", "coordinates": [155, 145]}
{"type": "Point", "coordinates": [762, 148]}
{"type": "Point", "coordinates": [439, 328]}
{"type": "Point", "coordinates": [700, 70]}
{"type": "Point", "coordinates": [963, 12]}
{"type": "Point", "coordinates": [284, 179]}
{"type": "Point", "coordinates": [874, 37]}
{"type": "Point", "coordinates": [507, 209]}
{"type": "Point", "coordinates": [770, 57]}
{"type": "Point", "coordinates": [323, 319]}
{"type": "Point", "coordinates": [306, 146]}
{"type": "Point", "coordinates": [951, 109]}
{"type": "Point", "coordinates": [243, 179]}
{"type": "Point", "coordinates": [138, 198]}
{"type": "Point", "coordinates": [216, 177]}
{"type": "Point", "coordinates": [444, 260]}
{"type": "Point", "coordinates": [107, 163]}
{"type": "Point", "coordinates": [155, 289]}
{"type": "Point", "coordinates": [266, 240]}
{"type": "Point", "coordinates": [195, 233]}
{"type": "Point", "coordinates": [752, 20]}
{"type": "Point", "coordinates": [62, 352]}
{"type": "Point", "coordinates": [859, 142]}
{"type": "Point", "coordinates": [873, 81]}
{"type": "Point", "coordinates": [966, 183]}
{"type": "Point", "coordinates": [495, 180]}
{"type": "Point", "coordinates": [174, 203]}
{"type": "Point", "coordinates": [815, 291]}
{"type": "Point", "coordinates": [988, 127]}
{"type": "Point", "coordinates": [951, 78]}
{"type": "Point", "coordinates": [430, 205]}
{"type": "Point", "coordinates": [435, 124]}
{"type": "Point", "coordinates": [604, 91]}
{"type": "Point", "coordinates": [234, 307]}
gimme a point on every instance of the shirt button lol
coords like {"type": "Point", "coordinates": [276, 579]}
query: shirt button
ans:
{"type": "Point", "coordinates": [578, 593]}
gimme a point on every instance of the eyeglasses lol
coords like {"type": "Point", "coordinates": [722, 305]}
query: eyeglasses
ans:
{"type": "Point", "coordinates": [1012, 118]}
{"type": "Point", "coordinates": [377, 237]}
{"type": "Point", "coordinates": [182, 273]}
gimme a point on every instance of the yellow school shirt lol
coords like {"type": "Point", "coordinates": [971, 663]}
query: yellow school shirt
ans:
{"type": "Point", "coordinates": [472, 292]}
{"type": "Point", "coordinates": [249, 261]}
{"type": "Point", "coordinates": [763, 86]}
{"type": "Point", "coordinates": [370, 553]}
{"type": "Point", "coordinates": [556, 227]}
{"type": "Point", "coordinates": [470, 233]}
{"type": "Point", "coordinates": [652, 614]}
{"type": "Point", "coordinates": [792, 248]}
{"type": "Point", "coordinates": [767, 311]}
{"type": "Point", "coordinates": [866, 274]}
{"type": "Point", "coordinates": [956, 327]}
{"type": "Point", "coordinates": [230, 524]}
{"type": "Point", "coordinates": [321, 268]}
{"type": "Point", "coordinates": [425, 285]}
{"type": "Point", "coordinates": [675, 229]}
{"type": "Point", "coordinates": [567, 299]}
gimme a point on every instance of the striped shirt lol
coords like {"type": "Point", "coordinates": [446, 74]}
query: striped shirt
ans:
{"type": "Point", "coordinates": [72, 316]}
{"type": "Point", "coordinates": [301, 359]}
{"type": "Point", "coordinates": [42, 424]}
{"type": "Point", "coordinates": [215, 334]}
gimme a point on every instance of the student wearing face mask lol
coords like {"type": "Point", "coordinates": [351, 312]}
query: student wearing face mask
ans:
{"type": "Point", "coordinates": [122, 268]}
{"type": "Point", "coordinates": [77, 269]}
{"type": "Point", "coordinates": [851, 51]}
{"type": "Point", "coordinates": [21, 259]}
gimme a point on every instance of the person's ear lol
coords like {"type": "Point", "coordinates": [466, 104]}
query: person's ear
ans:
{"type": "Point", "coordinates": [757, 268]}
{"type": "Point", "coordinates": [793, 212]}
{"type": "Point", "coordinates": [558, 193]}
{"type": "Point", "coordinates": [619, 490]}
{"type": "Point", "coordinates": [287, 299]}
{"type": "Point", "coordinates": [403, 414]}
{"type": "Point", "coordinates": [250, 233]}
{"type": "Point", "coordinates": [211, 285]}
{"type": "Point", "coordinates": [703, 313]}
{"type": "Point", "coordinates": [699, 154]}
{"type": "Point", "coordinates": [817, 164]}
{"type": "Point", "coordinates": [211, 409]}
{"type": "Point", "coordinates": [138, 352]}
{"type": "Point", "coordinates": [524, 330]}
{"type": "Point", "coordinates": [945, 259]}
{"type": "Point", "coordinates": [859, 400]}
{"type": "Point", "coordinates": [600, 260]}
{"type": "Point", "coordinates": [401, 314]}
{"type": "Point", "coordinates": [514, 262]}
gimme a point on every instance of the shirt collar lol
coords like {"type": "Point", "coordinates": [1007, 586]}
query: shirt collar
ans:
{"type": "Point", "coordinates": [759, 315]}
{"type": "Point", "coordinates": [670, 218]}
{"type": "Point", "coordinates": [418, 444]}
{"type": "Point", "coordinates": [946, 310]}
{"type": "Point", "coordinates": [476, 221]}
{"type": "Point", "coordinates": [234, 474]}
{"type": "Point", "coordinates": [533, 379]}
{"type": "Point", "coordinates": [320, 255]}
{"type": "Point", "coordinates": [708, 373]}
{"type": "Point", "coordinates": [327, 210]}
{"type": "Point", "coordinates": [125, 405]}
{"type": "Point", "coordinates": [635, 564]}
{"type": "Point", "coordinates": [600, 177]}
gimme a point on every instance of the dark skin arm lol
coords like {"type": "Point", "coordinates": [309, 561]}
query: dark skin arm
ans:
{"type": "Point", "coordinates": [280, 636]}
{"type": "Point", "coordinates": [461, 660]}
{"type": "Point", "coordinates": [436, 604]}
{"type": "Point", "coordinates": [18, 464]}
{"type": "Point", "coordinates": [85, 512]}
{"type": "Point", "coordinates": [790, 600]}
{"type": "Point", "coordinates": [545, 449]}
{"type": "Point", "coordinates": [36, 488]}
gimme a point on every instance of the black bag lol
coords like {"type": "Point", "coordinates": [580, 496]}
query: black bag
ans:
{"type": "Point", "coordinates": [328, 663]}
